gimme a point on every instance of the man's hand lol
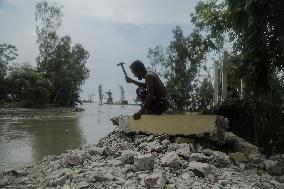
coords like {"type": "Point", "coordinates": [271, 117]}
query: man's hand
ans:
{"type": "Point", "coordinates": [137, 115]}
{"type": "Point", "coordinates": [128, 79]}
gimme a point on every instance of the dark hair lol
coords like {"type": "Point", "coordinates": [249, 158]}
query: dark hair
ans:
{"type": "Point", "coordinates": [137, 65]}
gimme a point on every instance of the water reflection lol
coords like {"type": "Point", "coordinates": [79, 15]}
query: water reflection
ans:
{"type": "Point", "coordinates": [55, 137]}
{"type": "Point", "coordinates": [28, 135]}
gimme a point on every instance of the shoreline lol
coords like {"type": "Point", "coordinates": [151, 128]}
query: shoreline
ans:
{"type": "Point", "coordinates": [140, 161]}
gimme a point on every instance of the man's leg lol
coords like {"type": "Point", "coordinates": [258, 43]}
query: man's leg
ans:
{"type": "Point", "coordinates": [157, 106]}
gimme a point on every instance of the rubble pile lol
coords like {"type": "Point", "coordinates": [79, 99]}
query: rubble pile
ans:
{"type": "Point", "coordinates": [147, 161]}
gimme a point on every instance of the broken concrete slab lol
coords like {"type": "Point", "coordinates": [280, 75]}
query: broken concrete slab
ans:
{"type": "Point", "coordinates": [175, 125]}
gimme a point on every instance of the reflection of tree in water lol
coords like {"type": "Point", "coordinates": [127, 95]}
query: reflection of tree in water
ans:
{"type": "Point", "coordinates": [53, 137]}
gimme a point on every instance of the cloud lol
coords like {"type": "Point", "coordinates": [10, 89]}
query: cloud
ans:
{"type": "Point", "coordinates": [111, 30]}
{"type": "Point", "coordinates": [134, 11]}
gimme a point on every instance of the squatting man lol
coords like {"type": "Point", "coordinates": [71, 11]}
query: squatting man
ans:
{"type": "Point", "coordinates": [152, 94]}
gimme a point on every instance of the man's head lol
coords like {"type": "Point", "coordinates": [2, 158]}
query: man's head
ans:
{"type": "Point", "coordinates": [138, 69]}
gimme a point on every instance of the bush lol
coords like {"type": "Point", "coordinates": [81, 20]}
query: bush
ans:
{"type": "Point", "coordinates": [260, 123]}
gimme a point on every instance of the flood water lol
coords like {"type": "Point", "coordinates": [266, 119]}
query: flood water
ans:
{"type": "Point", "coordinates": [27, 135]}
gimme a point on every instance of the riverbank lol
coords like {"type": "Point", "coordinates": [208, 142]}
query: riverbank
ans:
{"type": "Point", "coordinates": [122, 161]}
{"type": "Point", "coordinates": [27, 104]}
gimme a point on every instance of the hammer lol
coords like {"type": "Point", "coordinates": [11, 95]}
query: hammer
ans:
{"type": "Point", "coordinates": [121, 64]}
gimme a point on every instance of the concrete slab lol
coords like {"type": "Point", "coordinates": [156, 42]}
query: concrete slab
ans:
{"type": "Point", "coordinates": [169, 124]}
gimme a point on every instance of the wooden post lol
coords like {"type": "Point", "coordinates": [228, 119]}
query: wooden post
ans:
{"type": "Point", "coordinates": [241, 88]}
{"type": "Point", "coordinates": [225, 70]}
{"type": "Point", "coordinates": [216, 82]}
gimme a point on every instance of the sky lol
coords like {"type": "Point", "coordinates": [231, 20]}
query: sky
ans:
{"type": "Point", "coordinates": [112, 31]}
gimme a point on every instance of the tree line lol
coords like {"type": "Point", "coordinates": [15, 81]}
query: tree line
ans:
{"type": "Point", "coordinates": [60, 69]}
{"type": "Point", "coordinates": [109, 98]}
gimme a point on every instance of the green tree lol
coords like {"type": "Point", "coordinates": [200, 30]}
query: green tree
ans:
{"type": "Point", "coordinates": [109, 99]}
{"type": "Point", "coordinates": [101, 94]}
{"type": "Point", "coordinates": [60, 62]}
{"type": "Point", "coordinates": [254, 32]}
{"type": "Point", "coordinates": [71, 72]}
{"type": "Point", "coordinates": [49, 18]}
{"type": "Point", "coordinates": [122, 95]}
{"type": "Point", "coordinates": [180, 63]}
{"type": "Point", "coordinates": [26, 85]}
{"type": "Point", "coordinates": [7, 54]}
{"type": "Point", "coordinates": [205, 95]}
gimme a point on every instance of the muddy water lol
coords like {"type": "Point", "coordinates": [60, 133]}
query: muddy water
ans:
{"type": "Point", "coordinates": [27, 135]}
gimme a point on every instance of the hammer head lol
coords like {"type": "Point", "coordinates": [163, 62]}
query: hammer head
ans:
{"type": "Point", "coordinates": [120, 64]}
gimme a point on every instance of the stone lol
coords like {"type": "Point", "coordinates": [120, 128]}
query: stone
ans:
{"type": "Point", "coordinates": [66, 186]}
{"type": "Point", "coordinates": [59, 181]}
{"type": "Point", "coordinates": [130, 184]}
{"type": "Point", "coordinates": [109, 176]}
{"type": "Point", "coordinates": [154, 146]}
{"type": "Point", "coordinates": [186, 176]}
{"type": "Point", "coordinates": [144, 162]}
{"type": "Point", "coordinates": [281, 179]}
{"type": "Point", "coordinates": [108, 151]}
{"type": "Point", "coordinates": [96, 151]}
{"type": "Point", "coordinates": [82, 184]}
{"type": "Point", "coordinates": [238, 157]}
{"type": "Point", "coordinates": [85, 155]}
{"type": "Point", "coordinates": [221, 159]}
{"type": "Point", "coordinates": [130, 175]}
{"type": "Point", "coordinates": [4, 181]}
{"type": "Point", "coordinates": [240, 145]}
{"type": "Point", "coordinates": [172, 147]}
{"type": "Point", "coordinates": [140, 138]}
{"type": "Point", "coordinates": [156, 180]}
{"type": "Point", "coordinates": [171, 159]}
{"type": "Point", "coordinates": [182, 185]}
{"type": "Point", "coordinates": [170, 186]}
{"type": "Point", "coordinates": [150, 138]}
{"type": "Point", "coordinates": [197, 157]}
{"type": "Point", "coordinates": [165, 142]}
{"type": "Point", "coordinates": [114, 162]}
{"type": "Point", "coordinates": [207, 152]}
{"type": "Point", "coordinates": [274, 167]}
{"type": "Point", "coordinates": [242, 165]}
{"type": "Point", "coordinates": [277, 184]}
{"type": "Point", "coordinates": [184, 150]}
{"type": "Point", "coordinates": [99, 178]}
{"type": "Point", "coordinates": [255, 158]}
{"type": "Point", "coordinates": [200, 169]}
{"type": "Point", "coordinates": [180, 140]}
{"type": "Point", "coordinates": [73, 160]}
{"type": "Point", "coordinates": [275, 157]}
{"type": "Point", "coordinates": [127, 156]}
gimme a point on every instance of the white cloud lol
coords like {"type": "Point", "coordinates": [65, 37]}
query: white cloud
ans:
{"type": "Point", "coordinates": [134, 11]}
{"type": "Point", "coordinates": [111, 30]}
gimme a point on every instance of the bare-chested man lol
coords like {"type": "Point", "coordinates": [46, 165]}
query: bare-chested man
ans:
{"type": "Point", "coordinates": [152, 93]}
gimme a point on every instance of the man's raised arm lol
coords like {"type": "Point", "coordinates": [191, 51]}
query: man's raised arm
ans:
{"type": "Point", "coordinates": [139, 84]}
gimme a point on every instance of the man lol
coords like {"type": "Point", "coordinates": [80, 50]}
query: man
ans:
{"type": "Point", "coordinates": [152, 93]}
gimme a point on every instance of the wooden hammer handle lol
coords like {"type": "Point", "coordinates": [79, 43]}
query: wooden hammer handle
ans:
{"type": "Point", "coordinates": [123, 70]}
